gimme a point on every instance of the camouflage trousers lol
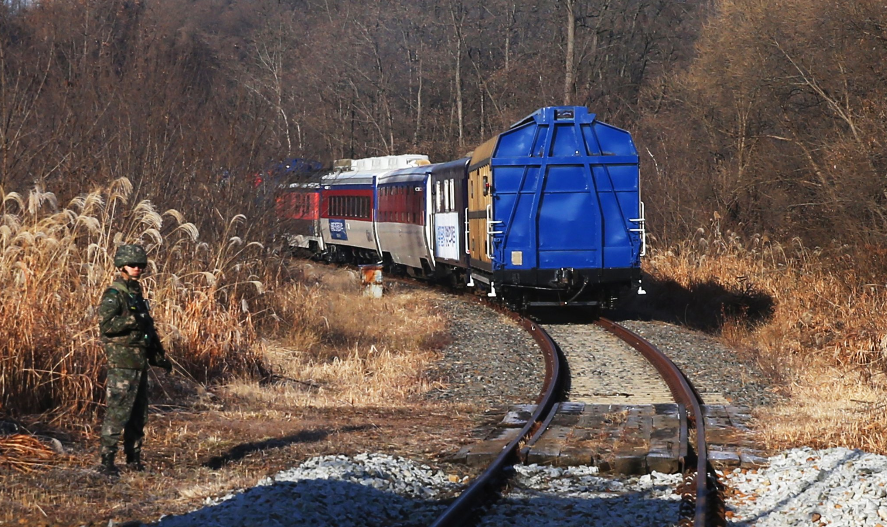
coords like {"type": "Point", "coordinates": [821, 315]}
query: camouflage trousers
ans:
{"type": "Point", "coordinates": [126, 395]}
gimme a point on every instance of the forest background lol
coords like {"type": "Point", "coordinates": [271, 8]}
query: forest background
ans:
{"type": "Point", "coordinates": [760, 126]}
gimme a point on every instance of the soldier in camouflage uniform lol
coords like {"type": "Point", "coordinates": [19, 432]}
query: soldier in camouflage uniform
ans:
{"type": "Point", "coordinates": [131, 344]}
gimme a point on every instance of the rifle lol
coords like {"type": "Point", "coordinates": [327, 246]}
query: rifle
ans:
{"type": "Point", "coordinates": [138, 306]}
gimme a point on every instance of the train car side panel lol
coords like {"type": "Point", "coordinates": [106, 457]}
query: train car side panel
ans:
{"type": "Point", "coordinates": [297, 210]}
{"type": "Point", "coordinates": [347, 213]}
{"type": "Point", "coordinates": [402, 218]}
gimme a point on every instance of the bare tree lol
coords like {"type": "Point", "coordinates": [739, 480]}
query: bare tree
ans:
{"type": "Point", "coordinates": [570, 51]}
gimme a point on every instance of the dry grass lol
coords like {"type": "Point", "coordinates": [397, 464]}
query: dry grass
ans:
{"type": "Point", "coordinates": [813, 319]}
{"type": "Point", "coordinates": [341, 348]}
{"type": "Point", "coordinates": [54, 264]}
{"type": "Point", "coordinates": [26, 453]}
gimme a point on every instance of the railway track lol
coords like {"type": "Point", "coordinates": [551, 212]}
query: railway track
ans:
{"type": "Point", "coordinates": [701, 499]}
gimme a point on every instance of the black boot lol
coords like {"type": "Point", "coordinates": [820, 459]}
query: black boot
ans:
{"type": "Point", "coordinates": [134, 462]}
{"type": "Point", "coordinates": [107, 467]}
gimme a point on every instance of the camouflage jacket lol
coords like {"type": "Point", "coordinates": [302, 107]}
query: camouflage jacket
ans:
{"type": "Point", "coordinates": [125, 342]}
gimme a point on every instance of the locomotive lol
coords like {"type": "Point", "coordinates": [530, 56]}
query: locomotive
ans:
{"type": "Point", "coordinates": [547, 213]}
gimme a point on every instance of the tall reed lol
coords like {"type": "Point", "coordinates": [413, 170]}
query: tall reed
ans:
{"type": "Point", "coordinates": [54, 263]}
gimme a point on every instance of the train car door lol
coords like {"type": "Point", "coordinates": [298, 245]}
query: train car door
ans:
{"type": "Point", "coordinates": [481, 226]}
{"type": "Point", "coordinates": [427, 214]}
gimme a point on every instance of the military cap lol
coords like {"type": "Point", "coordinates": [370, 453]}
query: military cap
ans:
{"type": "Point", "coordinates": [130, 255]}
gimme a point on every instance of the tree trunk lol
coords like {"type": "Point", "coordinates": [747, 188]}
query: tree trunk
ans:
{"type": "Point", "coordinates": [571, 39]}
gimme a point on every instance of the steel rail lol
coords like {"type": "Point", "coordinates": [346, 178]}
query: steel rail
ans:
{"type": "Point", "coordinates": [685, 393]}
{"type": "Point", "coordinates": [458, 511]}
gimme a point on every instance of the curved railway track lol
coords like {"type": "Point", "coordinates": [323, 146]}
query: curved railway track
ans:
{"type": "Point", "coordinates": [702, 504]}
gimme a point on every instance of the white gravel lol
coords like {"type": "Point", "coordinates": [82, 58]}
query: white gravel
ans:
{"type": "Point", "coordinates": [835, 487]}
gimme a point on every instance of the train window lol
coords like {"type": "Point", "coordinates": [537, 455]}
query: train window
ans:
{"type": "Point", "coordinates": [437, 196]}
{"type": "Point", "coordinates": [486, 185]}
{"type": "Point", "coordinates": [453, 192]}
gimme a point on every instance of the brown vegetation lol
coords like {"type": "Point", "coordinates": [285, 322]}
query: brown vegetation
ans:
{"type": "Point", "coordinates": [823, 342]}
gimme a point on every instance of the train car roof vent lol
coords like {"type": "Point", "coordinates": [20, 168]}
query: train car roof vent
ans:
{"type": "Point", "coordinates": [564, 114]}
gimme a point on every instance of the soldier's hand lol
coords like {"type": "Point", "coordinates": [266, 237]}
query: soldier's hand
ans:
{"type": "Point", "coordinates": [165, 364]}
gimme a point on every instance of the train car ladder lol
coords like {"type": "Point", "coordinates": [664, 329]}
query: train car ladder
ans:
{"type": "Point", "coordinates": [642, 229]}
{"type": "Point", "coordinates": [490, 231]}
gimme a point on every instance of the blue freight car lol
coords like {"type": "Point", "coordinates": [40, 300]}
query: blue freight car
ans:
{"type": "Point", "coordinates": [554, 211]}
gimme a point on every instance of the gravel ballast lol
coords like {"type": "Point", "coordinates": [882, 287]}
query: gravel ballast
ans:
{"type": "Point", "coordinates": [836, 487]}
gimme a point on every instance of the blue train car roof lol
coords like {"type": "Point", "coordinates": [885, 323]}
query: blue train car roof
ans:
{"type": "Point", "coordinates": [524, 138]}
